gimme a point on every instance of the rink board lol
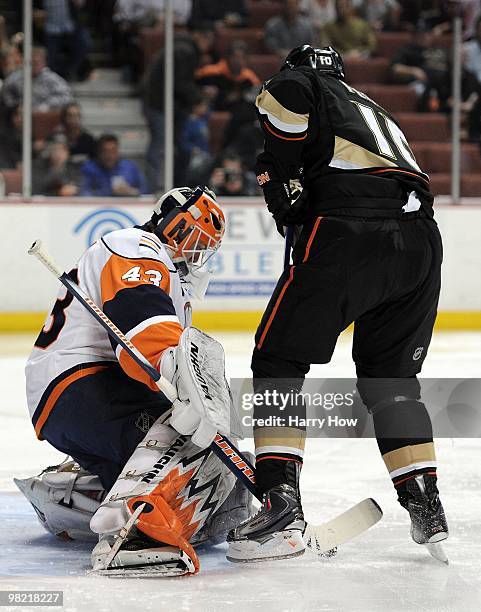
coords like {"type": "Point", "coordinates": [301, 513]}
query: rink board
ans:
{"type": "Point", "coordinates": [244, 271]}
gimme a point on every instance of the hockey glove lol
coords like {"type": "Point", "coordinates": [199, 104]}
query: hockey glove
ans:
{"type": "Point", "coordinates": [286, 206]}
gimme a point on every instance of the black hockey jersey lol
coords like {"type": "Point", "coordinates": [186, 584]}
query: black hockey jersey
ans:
{"type": "Point", "coordinates": [348, 151]}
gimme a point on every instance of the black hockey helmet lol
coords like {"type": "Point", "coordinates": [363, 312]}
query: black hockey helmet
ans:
{"type": "Point", "coordinates": [323, 59]}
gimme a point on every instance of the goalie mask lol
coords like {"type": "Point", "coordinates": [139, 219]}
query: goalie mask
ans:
{"type": "Point", "coordinates": [190, 224]}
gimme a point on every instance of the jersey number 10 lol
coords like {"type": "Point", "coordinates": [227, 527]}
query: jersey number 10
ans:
{"type": "Point", "coordinates": [389, 137]}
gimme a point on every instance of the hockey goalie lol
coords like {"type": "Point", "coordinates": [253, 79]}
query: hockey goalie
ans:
{"type": "Point", "coordinates": [143, 480]}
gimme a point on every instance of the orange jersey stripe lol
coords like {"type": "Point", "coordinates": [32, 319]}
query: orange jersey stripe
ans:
{"type": "Point", "coordinates": [151, 342]}
{"type": "Point", "coordinates": [399, 170]}
{"type": "Point", "coordinates": [311, 239]}
{"type": "Point", "coordinates": [278, 458]}
{"type": "Point", "coordinates": [276, 306]}
{"type": "Point", "coordinates": [282, 137]}
{"type": "Point", "coordinates": [58, 390]}
{"type": "Point", "coordinates": [122, 273]}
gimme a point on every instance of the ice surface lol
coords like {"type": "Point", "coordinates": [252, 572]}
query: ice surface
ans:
{"type": "Point", "coordinates": [380, 571]}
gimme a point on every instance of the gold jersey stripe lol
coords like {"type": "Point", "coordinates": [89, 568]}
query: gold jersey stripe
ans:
{"type": "Point", "coordinates": [266, 103]}
{"type": "Point", "coordinates": [407, 455]}
{"type": "Point", "coordinates": [356, 156]}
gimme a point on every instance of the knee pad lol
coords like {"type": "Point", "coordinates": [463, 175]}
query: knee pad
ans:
{"type": "Point", "coordinates": [266, 365]}
{"type": "Point", "coordinates": [379, 393]}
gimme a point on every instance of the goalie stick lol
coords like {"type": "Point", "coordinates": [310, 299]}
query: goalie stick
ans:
{"type": "Point", "coordinates": [320, 539]}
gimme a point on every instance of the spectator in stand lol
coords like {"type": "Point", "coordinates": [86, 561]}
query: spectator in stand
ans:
{"type": "Point", "coordinates": [110, 175]}
{"type": "Point", "coordinates": [380, 14]}
{"type": "Point", "coordinates": [243, 134]}
{"type": "Point", "coordinates": [287, 30]}
{"type": "Point", "coordinates": [227, 13]}
{"type": "Point", "coordinates": [49, 90]}
{"type": "Point", "coordinates": [470, 100]}
{"type": "Point", "coordinates": [187, 51]}
{"type": "Point", "coordinates": [230, 179]}
{"type": "Point", "coordinates": [429, 15]}
{"type": "Point", "coordinates": [226, 80]}
{"type": "Point", "coordinates": [319, 12]}
{"type": "Point", "coordinates": [3, 33]}
{"type": "Point", "coordinates": [66, 40]}
{"type": "Point", "coordinates": [425, 66]}
{"type": "Point", "coordinates": [10, 60]}
{"type": "Point", "coordinates": [473, 52]}
{"type": "Point", "coordinates": [129, 17]}
{"type": "Point", "coordinates": [80, 142]}
{"type": "Point", "coordinates": [182, 10]}
{"type": "Point", "coordinates": [101, 16]}
{"type": "Point", "coordinates": [11, 138]}
{"type": "Point", "coordinates": [350, 35]}
{"type": "Point", "coordinates": [471, 16]}
{"type": "Point", "coordinates": [194, 142]}
{"type": "Point", "coordinates": [54, 175]}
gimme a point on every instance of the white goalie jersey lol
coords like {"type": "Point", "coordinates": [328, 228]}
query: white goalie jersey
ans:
{"type": "Point", "coordinates": [129, 274]}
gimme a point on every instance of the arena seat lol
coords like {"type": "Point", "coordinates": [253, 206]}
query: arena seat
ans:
{"type": "Point", "coordinates": [13, 181]}
{"type": "Point", "coordinates": [260, 12]}
{"type": "Point", "coordinates": [252, 36]}
{"type": "Point", "coordinates": [43, 123]}
{"type": "Point", "coordinates": [432, 127]}
{"type": "Point", "coordinates": [389, 42]}
{"type": "Point", "coordinates": [435, 157]}
{"type": "Point", "coordinates": [264, 65]}
{"type": "Point", "coordinates": [440, 183]}
{"type": "Point", "coordinates": [470, 185]}
{"type": "Point", "coordinates": [438, 156]}
{"type": "Point", "coordinates": [445, 40]}
{"type": "Point", "coordinates": [217, 125]}
{"type": "Point", "coordinates": [394, 98]}
{"type": "Point", "coordinates": [471, 158]}
{"type": "Point", "coordinates": [420, 153]}
{"type": "Point", "coordinates": [374, 70]}
{"type": "Point", "coordinates": [151, 40]}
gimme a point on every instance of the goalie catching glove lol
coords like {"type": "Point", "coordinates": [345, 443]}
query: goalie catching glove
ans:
{"type": "Point", "coordinates": [196, 369]}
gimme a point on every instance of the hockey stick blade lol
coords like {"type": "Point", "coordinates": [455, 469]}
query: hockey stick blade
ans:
{"type": "Point", "coordinates": [348, 525]}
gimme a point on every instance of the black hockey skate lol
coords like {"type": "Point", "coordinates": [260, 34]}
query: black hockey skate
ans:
{"type": "Point", "coordinates": [420, 497]}
{"type": "Point", "coordinates": [274, 532]}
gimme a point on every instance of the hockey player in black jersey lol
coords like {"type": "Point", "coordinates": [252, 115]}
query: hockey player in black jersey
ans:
{"type": "Point", "coordinates": [366, 251]}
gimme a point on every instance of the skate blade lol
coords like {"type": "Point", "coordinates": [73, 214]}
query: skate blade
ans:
{"type": "Point", "coordinates": [259, 559]}
{"type": "Point", "coordinates": [282, 545]}
{"type": "Point", "coordinates": [165, 570]}
{"type": "Point", "coordinates": [323, 539]}
{"type": "Point", "coordinates": [435, 548]}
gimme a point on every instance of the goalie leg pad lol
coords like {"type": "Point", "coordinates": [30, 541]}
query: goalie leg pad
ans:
{"type": "Point", "coordinates": [180, 485]}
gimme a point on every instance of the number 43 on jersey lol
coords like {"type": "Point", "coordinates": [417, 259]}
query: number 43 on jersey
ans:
{"type": "Point", "coordinates": [136, 275]}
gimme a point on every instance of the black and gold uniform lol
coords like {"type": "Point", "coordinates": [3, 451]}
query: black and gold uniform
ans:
{"type": "Point", "coordinates": [367, 252]}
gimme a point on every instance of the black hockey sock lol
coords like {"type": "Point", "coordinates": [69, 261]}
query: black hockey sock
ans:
{"type": "Point", "coordinates": [272, 472]}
